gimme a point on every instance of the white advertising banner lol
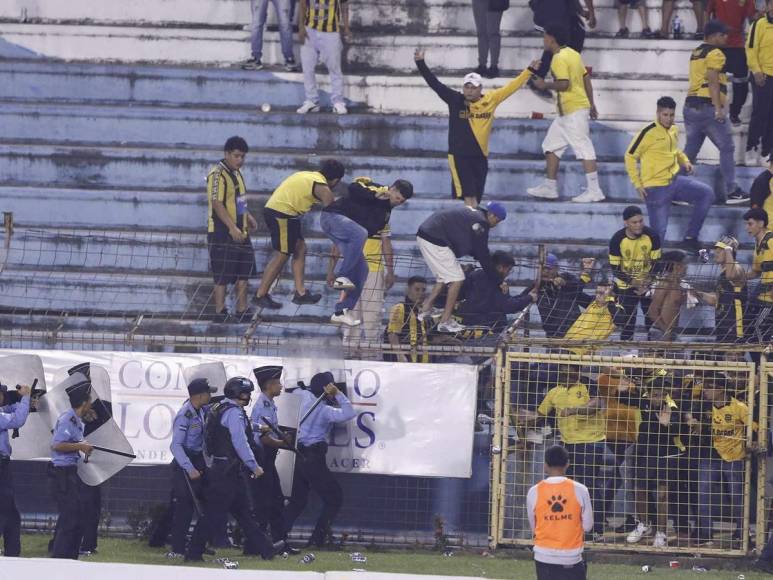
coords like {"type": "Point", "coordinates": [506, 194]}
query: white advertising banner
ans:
{"type": "Point", "coordinates": [412, 419]}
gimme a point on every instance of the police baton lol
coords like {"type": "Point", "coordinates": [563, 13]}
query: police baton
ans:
{"type": "Point", "coordinates": [194, 497]}
{"type": "Point", "coordinates": [111, 451]}
{"type": "Point", "coordinates": [276, 430]}
{"type": "Point", "coordinates": [311, 409]}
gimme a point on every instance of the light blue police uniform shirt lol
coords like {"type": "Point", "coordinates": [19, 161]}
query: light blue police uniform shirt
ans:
{"type": "Point", "coordinates": [264, 407]}
{"type": "Point", "coordinates": [318, 424]}
{"type": "Point", "coordinates": [188, 433]}
{"type": "Point", "coordinates": [68, 429]}
{"type": "Point", "coordinates": [12, 417]}
{"type": "Point", "coordinates": [235, 420]}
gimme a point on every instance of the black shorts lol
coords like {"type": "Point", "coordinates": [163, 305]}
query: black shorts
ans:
{"type": "Point", "coordinates": [230, 261]}
{"type": "Point", "coordinates": [285, 230]}
{"type": "Point", "coordinates": [735, 63]}
{"type": "Point", "coordinates": [468, 176]}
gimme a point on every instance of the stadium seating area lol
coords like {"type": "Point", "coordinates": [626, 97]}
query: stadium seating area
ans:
{"type": "Point", "coordinates": [112, 114]}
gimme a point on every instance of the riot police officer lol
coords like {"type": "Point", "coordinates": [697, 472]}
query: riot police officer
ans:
{"type": "Point", "coordinates": [188, 466]}
{"type": "Point", "coordinates": [66, 444]}
{"type": "Point", "coordinates": [311, 470]}
{"type": "Point", "coordinates": [228, 439]}
{"type": "Point", "coordinates": [14, 409]}
{"type": "Point", "coordinates": [267, 490]}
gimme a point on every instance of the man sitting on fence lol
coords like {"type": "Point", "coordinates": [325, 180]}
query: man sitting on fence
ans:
{"type": "Point", "coordinates": [560, 511]}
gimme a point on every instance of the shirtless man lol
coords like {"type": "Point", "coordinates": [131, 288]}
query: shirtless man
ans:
{"type": "Point", "coordinates": [668, 296]}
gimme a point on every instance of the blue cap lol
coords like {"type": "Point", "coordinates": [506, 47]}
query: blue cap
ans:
{"type": "Point", "coordinates": [714, 27]}
{"type": "Point", "coordinates": [551, 261]}
{"type": "Point", "coordinates": [497, 209]}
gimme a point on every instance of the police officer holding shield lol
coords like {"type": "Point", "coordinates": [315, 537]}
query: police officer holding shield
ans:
{"type": "Point", "coordinates": [66, 445]}
{"type": "Point", "coordinates": [188, 466]}
{"type": "Point", "coordinates": [311, 470]}
{"type": "Point", "coordinates": [14, 409]}
{"type": "Point", "coordinates": [228, 438]}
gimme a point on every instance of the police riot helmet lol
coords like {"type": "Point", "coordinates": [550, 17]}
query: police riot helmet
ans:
{"type": "Point", "coordinates": [237, 386]}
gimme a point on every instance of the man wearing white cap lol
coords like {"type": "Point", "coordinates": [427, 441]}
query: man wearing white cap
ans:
{"type": "Point", "coordinates": [470, 118]}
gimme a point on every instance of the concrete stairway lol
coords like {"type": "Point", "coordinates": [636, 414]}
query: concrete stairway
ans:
{"type": "Point", "coordinates": [103, 164]}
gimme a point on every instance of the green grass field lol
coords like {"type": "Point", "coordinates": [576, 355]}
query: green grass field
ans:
{"type": "Point", "coordinates": [462, 563]}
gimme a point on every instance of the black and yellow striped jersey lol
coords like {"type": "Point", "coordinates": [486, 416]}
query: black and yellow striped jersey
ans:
{"type": "Point", "coordinates": [759, 46]}
{"type": "Point", "coordinates": [633, 258]}
{"type": "Point", "coordinates": [763, 265]}
{"type": "Point", "coordinates": [226, 186]}
{"type": "Point", "coordinates": [703, 59]}
{"type": "Point", "coordinates": [324, 15]}
{"type": "Point", "coordinates": [404, 322]}
{"type": "Point", "coordinates": [761, 192]}
{"type": "Point", "coordinates": [469, 124]}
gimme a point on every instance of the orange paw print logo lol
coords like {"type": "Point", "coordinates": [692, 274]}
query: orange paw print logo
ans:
{"type": "Point", "coordinates": [556, 503]}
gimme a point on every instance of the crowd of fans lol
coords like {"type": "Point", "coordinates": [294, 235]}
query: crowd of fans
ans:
{"type": "Point", "coordinates": [663, 452]}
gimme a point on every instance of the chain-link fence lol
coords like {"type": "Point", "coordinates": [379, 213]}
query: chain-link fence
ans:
{"type": "Point", "coordinates": [671, 449]}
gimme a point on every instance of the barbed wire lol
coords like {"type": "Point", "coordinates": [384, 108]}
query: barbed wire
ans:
{"type": "Point", "coordinates": [133, 281]}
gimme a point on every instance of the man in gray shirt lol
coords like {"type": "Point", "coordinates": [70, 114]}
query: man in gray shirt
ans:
{"type": "Point", "coordinates": [448, 235]}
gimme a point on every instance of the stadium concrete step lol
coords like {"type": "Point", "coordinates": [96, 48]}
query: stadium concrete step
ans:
{"type": "Point", "coordinates": [368, 52]}
{"type": "Point", "coordinates": [94, 125]}
{"type": "Point", "coordinates": [404, 16]}
{"type": "Point", "coordinates": [538, 220]}
{"type": "Point", "coordinates": [627, 98]}
{"type": "Point", "coordinates": [42, 329]}
{"type": "Point", "coordinates": [136, 169]}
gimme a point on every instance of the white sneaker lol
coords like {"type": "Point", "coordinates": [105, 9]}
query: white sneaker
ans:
{"type": "Point", "coordinates": [434, 313]}
{"type": "Point", "coordinates": [661, 541]}
{"type": "Point", "coordinates": [308, 107]}
{"type": "Point", "coordinates": [340, 109]}
{"type": "Point", "coordinates": [589, 196]}
{"type": "Point", "coordinates": [751, 158]}
{"type": "Point", "coordinates": [640, 531]}
{"type": "Point", "coordinates": [543, 190]}
{"type": "Point", "coordinates": [450, 326]}
{"type": "Point", "coordinates": [346, 318]}
{"type": "Point", "coordinates": [343, 283]}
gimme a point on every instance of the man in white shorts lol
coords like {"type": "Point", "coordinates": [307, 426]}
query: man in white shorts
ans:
{"type": "Point", "coordinates": [571, 128]}
{"type": "Point", "coordinates": [450, 234]}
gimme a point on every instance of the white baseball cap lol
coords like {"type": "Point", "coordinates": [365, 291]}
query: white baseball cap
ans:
{"type": "Point", "coordinates": [473, 78]}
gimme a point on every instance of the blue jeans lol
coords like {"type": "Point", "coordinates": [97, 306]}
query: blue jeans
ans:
{"type": "Point", "coordinates": [682, 188]}
{"type": "Point", "coordinates": [349, 237]}
{"type": "Point", "coordinates": [259, 14]}
{"type": "Point", "coordinates": [713, 471]}
{"type": "Point", "coordinates": [700, 123]}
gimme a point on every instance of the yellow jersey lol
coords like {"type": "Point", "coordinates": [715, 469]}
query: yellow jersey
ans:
{"type": "Point", "coordinates": [632, 259]}
{"type": "Point", "coordinates": [403, 321]}
{"type": "Point", "coordinates": [759, 46]}
{"type": "Point", "coordinates": [703, 59]}
{"type": "Point", "coordinates": [596, 323]}
{"type": "Point", "coordinates": [655, 148]}
{"type": "Point", "coordinates": [567, 66]}
{"type": "Point", "coordinates": [574, 428]}
{"type": "Point", "coordinates": [728, 429]}
{"type": "Point", "coordinates": [763, 264]}
{"type": "Point", "coordinates": [295, 195]}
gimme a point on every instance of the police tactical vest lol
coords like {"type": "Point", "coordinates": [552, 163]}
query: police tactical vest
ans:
{"type": "Point", "coordinates": [218, 437]}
